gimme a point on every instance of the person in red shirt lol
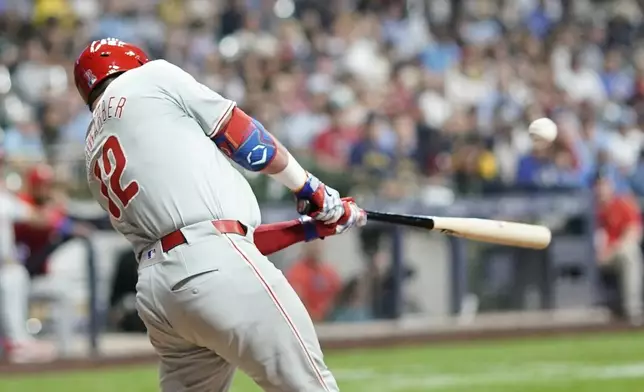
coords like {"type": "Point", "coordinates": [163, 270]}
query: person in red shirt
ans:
{"type": "Point", "coordinates": [35, 239]}
{"type": "Point", "coordinates": [619, 232]}
{"type": "Point", "coordinates": [315, 282]}
{"type": "Point", "coordinates": [332, 146]}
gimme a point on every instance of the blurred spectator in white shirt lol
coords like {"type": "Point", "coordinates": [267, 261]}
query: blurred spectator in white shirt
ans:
{"type": "Point", "coordinates": [581, 83]}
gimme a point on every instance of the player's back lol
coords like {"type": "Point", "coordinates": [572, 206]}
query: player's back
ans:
{"type": "Point", "coordinates": [150, 161]}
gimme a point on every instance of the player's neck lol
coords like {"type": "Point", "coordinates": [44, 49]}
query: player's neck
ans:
{"type": "Point", "coordinates": [96, 101]}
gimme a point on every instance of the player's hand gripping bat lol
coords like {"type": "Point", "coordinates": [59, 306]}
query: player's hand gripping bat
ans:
{"type": "Point", "coordinates": [485, 230]}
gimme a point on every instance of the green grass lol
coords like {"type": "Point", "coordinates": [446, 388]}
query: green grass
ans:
{"type": "Point", "coordinates": [591, 363]}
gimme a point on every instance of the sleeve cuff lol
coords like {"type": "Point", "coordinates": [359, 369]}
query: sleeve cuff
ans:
{"type": "Point", "coordinates": [310, 231]}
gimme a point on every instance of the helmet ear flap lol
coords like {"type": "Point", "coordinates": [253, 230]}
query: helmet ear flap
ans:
{"type": "Point", "coordinates": [100, 87]}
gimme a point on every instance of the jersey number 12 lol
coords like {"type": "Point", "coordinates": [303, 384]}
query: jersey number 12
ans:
{"type": "Point", "coordinates": [111, 181]}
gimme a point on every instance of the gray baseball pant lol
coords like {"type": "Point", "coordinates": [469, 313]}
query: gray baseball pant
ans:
{"type": "Point", "coordinates": [216, 304]}
{"type": "Point", "coordinates": [628, 261]}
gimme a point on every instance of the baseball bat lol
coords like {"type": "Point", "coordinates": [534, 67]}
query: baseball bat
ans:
{"type": "Point", "coordinates": [521, 235]}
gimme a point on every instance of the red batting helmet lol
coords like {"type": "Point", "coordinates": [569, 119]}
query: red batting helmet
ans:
{"type": "Point", "coordinates": [103, 58]}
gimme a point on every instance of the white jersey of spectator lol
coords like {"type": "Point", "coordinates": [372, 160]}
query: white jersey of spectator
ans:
{"type": "Point", "coordinates": [11, 210]}
{"type": "Point", "coordinates": [14, 278]}
{"type": "Point", "coordinates": [177, 176]}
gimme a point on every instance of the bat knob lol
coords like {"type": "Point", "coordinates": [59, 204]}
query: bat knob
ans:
{"type": "Point", "coordinates": [304, 207]}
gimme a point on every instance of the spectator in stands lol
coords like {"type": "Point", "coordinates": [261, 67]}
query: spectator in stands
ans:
{"type": "Point", "coordinates": [315, 281]}
{"type": "Point", "coordinates": [289, 70]}
{"type": "Point", "coordinates": [331, 146]}
{"type": "Point", "coordinates": [608, 165]}
{"type": "Point", "coordinates": [616, 77]}
{"type": "Point", "coordinates": [549, 165]}
{"type": "Point", "coordinates": [474, 165]}
{"type": "Point", "coordinates": [636, 179]}
{"type": "Point", "coordinates": [390, 304]}
{"type": "Point", "coordinates": [350, 305]}
{"type": "Point", "coordinates": [581, 82]}
{"type": "Point", "coordinates": [23, 142]}
{"type": "Point", "coordinates": [536, 168]}
{"type": "Point", "coordinates": [443, 53]}
{"type": "Point", "coordinates": [371, 156]}
{"type": "Point", "coordinates": [625, 145]}
{"type": "Point", "coordinates": [618, 239]}
{"type": "Point", "coordinates": [36, 242]}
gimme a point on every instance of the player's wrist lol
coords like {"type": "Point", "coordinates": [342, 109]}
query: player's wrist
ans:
{"type": "Point", "coordinates": [310, 227]}
{"type": "Point", "coordinates": [293, 176]}
{"type": "Point", "coordinates": [308, 188]}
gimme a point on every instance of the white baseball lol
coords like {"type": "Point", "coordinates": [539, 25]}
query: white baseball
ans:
{"type": "Point", "coordinates": [543, 128]}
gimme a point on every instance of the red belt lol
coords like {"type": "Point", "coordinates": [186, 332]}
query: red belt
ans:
{"type": "Point", "coordinates": [176, 238]}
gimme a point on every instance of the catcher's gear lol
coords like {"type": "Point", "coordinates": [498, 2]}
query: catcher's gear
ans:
{"type": "Point", "coordinates": [103, 58]}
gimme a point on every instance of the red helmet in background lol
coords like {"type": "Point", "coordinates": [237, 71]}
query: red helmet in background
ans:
{"type": "Point", "coordinates": [102, 58]}
{"type": "Point", "coordinates": [39, 175]}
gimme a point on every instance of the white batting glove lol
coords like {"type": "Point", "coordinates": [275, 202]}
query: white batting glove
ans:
{"type": "Point", "coordinates": [325, 201]}
{"type": "Point", "coordinates": [353, 216]}
{"type": "Point", "coordinates": [357, 217]}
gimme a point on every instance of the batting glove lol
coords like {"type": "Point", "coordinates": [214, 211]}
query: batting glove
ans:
{"type": "Point", "coordinates": [353, 216]}
{"type": "Point", "coordinates": [326, 202]}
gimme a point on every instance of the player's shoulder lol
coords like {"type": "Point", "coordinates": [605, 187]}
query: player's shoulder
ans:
{"type": "Point", "coordinates": [161, 67]}
{"type": "Point", "coordinates": [151, 73]}
{"type": "Point", "coordinates": [162, 76]}
{"type": "Point", "coordinates": [155, 78]}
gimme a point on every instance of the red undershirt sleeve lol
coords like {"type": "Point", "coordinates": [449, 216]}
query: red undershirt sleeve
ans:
{"type": "Point", "coordinates": [273, 237]}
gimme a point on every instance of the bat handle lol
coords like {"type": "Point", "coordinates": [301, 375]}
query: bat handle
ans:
{"type": "Point", "coordinates": [305, 207]}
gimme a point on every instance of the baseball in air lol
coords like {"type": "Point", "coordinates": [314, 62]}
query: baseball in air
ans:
{"type": "Point", "coordinates": [543, 128]}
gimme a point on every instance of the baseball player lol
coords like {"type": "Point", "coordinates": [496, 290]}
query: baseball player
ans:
{"type": "Point", "coordinates": [18, 344]}
{"type": "Point", "coordinates": [158, 155]}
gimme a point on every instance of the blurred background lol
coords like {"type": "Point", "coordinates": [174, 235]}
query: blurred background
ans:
{"type": "Point", "coordinates": [410, 106]}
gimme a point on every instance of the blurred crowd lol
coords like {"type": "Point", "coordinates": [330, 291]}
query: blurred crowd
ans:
{"type": "Point", "coordinates": [400, 99]}
{"type": "Point", "coordinates": [423, 98]}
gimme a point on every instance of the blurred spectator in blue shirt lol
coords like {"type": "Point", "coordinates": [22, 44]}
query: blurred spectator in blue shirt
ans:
{"type": "Point", "coordinates": [395, 27]}
{"type": "Point", "coordinates": [636, 180]}
{"type": "Point", "coordinates": [23, 142]}
{"type": "Point", "coordinates": [481, 28]}
{"type": "Point", "coordinates": [612, 171]}
{"type": "Point", "coordinates": [538, 21]}
{"type": "Point", "coordinates": [444, 53]}
{"type": "Point", "coordinates": [548, 165]}
{"type": "Point", "coordinates": [372, 156]}
{"type": "Point", "coordinates": [119, 20]}
{"type": "Point", "coordinates": [591, 140]}
{"type": "Point", "coordinates": [618, 81]}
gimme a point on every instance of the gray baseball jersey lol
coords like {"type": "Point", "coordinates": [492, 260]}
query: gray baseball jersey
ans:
{"type": "Point", "coordinates": [214, 303]}
{"type": "Point", "coordinates": [146, 155]}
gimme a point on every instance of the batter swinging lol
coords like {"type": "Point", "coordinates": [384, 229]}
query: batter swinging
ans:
{"type": "Point", "coordinates": [157, 156]}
